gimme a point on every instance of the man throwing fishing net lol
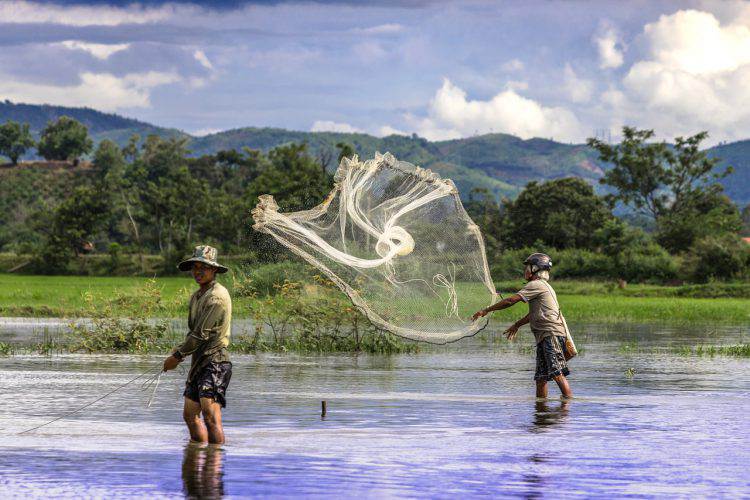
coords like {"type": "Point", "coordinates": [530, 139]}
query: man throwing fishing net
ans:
{"type": "Point", "coordinates": [547, 324]}
{"type": "Point", "coordinates": [209, 321]}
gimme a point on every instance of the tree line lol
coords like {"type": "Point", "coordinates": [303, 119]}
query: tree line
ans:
{"type": "Point", "coordinates": [150, 197]}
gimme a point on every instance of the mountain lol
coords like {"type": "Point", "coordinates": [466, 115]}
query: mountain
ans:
{"type": "Point", "coordinates": [101, 125]}
{"type": "Point", "coordinates": [501, 163]}
{"type": "Point", "coordinates": [736, 155]}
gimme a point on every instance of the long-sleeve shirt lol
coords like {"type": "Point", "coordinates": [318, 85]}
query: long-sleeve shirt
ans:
{"type": "Point", "coordinates": [209, 321]}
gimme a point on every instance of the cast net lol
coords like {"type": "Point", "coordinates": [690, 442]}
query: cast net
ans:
{"type": "Point", "coordinates": [397, 240]}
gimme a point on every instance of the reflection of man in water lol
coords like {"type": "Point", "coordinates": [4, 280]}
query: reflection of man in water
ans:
{"type": "Point", "coordinates": [202, 471]}
{"type": "Point", "coordinates": [209, 320]}
{"type": "Point", "coordinates": [546, 323]}
{"type": "Point", "coordinates": [545, 415]}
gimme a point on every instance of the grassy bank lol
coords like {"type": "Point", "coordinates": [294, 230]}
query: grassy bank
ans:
{"type": "Point", "coordinates": [74, 296]}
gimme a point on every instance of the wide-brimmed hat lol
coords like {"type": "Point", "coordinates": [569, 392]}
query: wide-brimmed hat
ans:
{"type": "Point", "coordinates": [204, 254]}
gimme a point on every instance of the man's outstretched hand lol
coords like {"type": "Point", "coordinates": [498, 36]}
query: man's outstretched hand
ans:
{"type": "Point", "coordinates": [479, 314]}
{"type": "Point", "coordinates": [170, 363]}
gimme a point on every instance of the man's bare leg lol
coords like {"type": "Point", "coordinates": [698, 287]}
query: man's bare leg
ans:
{"type": "Point", "coordinates": [191, 413]}
{"type": "Point", "coordinates": [212, 417]}
{"type": "Point", "coordinates": [562, 383]}
{"type": "Point", "coordinates": [541, 388]}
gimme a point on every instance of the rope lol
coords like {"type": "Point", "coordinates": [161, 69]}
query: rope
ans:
{"type": "Point", "coordinates": [150, 370]}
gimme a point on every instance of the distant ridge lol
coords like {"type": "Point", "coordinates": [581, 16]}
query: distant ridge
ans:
{"type": "Point", "coordinates": [501, 163]}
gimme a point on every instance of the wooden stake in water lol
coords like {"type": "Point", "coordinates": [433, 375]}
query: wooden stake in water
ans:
{"type": "Point", "coordinates": [323, 409]}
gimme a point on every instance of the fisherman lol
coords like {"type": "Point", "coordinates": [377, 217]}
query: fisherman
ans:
{"type": "Point", "coordinates": [209, 321]}
{"type": "Point", "coordinates": [547, 324]}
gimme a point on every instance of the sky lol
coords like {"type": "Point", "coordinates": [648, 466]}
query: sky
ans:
{"type": "Point", "coordinates": [442, 69]}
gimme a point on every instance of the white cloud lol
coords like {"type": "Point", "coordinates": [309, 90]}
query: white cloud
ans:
{"type": "Point", "coordinates": [22, 11]}
{"type": "Point", "coordinates": [98, 50]}
{"type": "Point", "coordinates": [200, 56]}
{"type": "Point", "coordinates": [331, 126]}
{"type": "Point", "coordinates": [577, 89]}
{"type": "Point", "coordinates": [386, 130]}
{"type": "Point", "coordinates": [609, 46]}
{"type": "Point", "coordinates": [695, 42]}
{"type": "Point", "coordinates": [102, 91]}
{"type": "Point", "coordinates": [452, 115]}
{"type": "Point", "coordinates": [381, 29]}
{"type": "Point", "coordinates": [206, 131]}
{"type": "Point", "coordinates": [695, 77]}
{"type": "Point", "coordinates": [512, 65]}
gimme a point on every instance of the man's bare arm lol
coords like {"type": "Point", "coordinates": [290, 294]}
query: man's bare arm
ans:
{"type": "Point", "coordinates": [503, 304]}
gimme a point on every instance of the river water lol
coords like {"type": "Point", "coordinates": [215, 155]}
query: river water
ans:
{"type": "Point", "coordinates": [459, 420]}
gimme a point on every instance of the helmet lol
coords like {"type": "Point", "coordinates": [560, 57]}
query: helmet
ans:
{"type": "Point", "coordinates": [538, 262]}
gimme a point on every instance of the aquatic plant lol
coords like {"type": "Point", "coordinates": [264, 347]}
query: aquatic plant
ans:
{"type": "Point", "coordinates": [109, 332]}
{"type": "Point", "coordinates": [6, 349]}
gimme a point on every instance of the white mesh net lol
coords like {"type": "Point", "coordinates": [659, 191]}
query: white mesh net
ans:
{"type": "Point", "coordinates": [397, 240]}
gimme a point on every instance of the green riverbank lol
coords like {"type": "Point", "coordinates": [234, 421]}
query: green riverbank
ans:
{"type": "Point", "coordinates": [75, 296]}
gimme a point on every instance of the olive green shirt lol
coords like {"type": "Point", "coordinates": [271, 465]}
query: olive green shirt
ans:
{"type": "Point", "coordinates": [545, 318]}
{"type": "Point", "coordinates": [210, 322]}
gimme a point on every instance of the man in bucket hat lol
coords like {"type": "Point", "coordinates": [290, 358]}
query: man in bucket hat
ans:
{"type": "Point", "coordinates": [209, 321]}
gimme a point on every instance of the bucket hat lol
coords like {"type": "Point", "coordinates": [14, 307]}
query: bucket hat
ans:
{"type": "Point", "coordinates": [204, 254]}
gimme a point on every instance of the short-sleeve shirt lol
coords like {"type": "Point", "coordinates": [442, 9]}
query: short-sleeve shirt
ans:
{"type": "Point", "coordinates": [545, 319]}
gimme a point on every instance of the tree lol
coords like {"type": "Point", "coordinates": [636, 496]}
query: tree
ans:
{"type": "Point", "coordinates": [562, 213]}
{"type": "Point", "coordinates": [69, 228]}
{"type": "Point", "coordinates": [346, 150]}
{"type": "Point", "coordinates": [15, 139]}
{"type": "Point", "coordinates": [64, 139]}
{"type": "Point", "coordinates": [293, 178]}
{"type": "Point", "coordinates": [487, 213]}
{"type": "Point", "coordinates": [675, 185]}
{"type": "Point", "coordinates": [110, 161]}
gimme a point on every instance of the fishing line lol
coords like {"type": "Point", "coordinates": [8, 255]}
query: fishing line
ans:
{"type": "Point", "coordinates": [146, 385]}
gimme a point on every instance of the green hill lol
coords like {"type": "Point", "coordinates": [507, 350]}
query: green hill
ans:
{"type": "Point", "coordinates": [736, 154]}
{"type": "Point", "coordinates": [501, 163]}
{"type": "Point", "coordinates": [101, 125]}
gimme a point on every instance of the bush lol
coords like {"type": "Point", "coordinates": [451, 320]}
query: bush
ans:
{"type": "Point", "coordinates": [650, 263]}
{"type": "Point", "coordinates": [575, 263]}
{"type": "Point", "coordinates": [717, 257]}
{"type": "Point", "coordinates": [266, 279]}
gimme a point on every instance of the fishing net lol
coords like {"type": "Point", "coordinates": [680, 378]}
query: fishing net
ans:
{"type": "Point", "coordinates": [397, 240]}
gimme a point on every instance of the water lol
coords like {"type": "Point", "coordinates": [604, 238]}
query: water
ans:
{"type": "Point", "coordinates": [452, 421]}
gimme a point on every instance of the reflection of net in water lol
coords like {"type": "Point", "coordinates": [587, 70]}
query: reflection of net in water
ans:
{"type": "Point", "coordinates": [397, 240]}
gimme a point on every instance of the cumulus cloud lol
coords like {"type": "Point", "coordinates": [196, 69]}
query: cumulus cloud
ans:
{"type": "Point", "coordinates": [609, 46]}
{"type": "Point", "coordinates": [577, 89]}
{"type": "Point", "coordinates": [331, 126]}
{"type": "Point", "coordinates": [98, 50]}
{"type": "Point", "coordinates": [102, 91]}
{"type": "Point", "coordinates": [452, 115]}
{"type": "Point", "coordinates": [22, 11]}
{"type": "Point", "coordinates": [695, 76]}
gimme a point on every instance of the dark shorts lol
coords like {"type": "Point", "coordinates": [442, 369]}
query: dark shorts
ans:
{"type": "Point", "coordinates": [550, 358]}
{"type": "Point", "coordinates": [211, 382]}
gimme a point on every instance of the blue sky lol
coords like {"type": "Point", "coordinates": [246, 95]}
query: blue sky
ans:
{"type": "Point", "coordinates": [441, 69]}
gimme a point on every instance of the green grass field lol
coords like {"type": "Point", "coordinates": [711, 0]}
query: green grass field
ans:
{"type": "Point", "coordinates": [72, 296]}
